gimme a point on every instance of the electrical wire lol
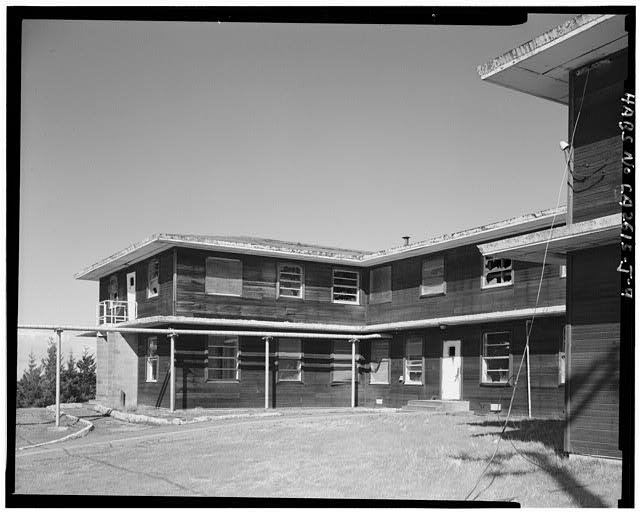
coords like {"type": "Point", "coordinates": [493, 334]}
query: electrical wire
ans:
{"type": "Point", "coordinates": [533, 315]}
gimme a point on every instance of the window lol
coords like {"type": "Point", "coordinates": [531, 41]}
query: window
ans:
{"type": "Point", "coordinates": [113, 287]}
{"type": "Point", "coordinates": [289, 360]}
{"type": "Point", "coordinates": [562, 357]}
{"type": "Point", "coordinates": [152, 359]}
{"type": "Point", "coordinates": [496, 358]}
{"type": "Point", "coordinates": [345, 287]}
{"type": "Point", "coordinates": [223, 277]}
{"type": "Point", "coordinates": [380, 363]}
{"type": "Point", "coordinates": [413, 363]}
{"type": "Point", "coordinates": [380, 285]}
{"type": "Point", "coordinates": [222, 362]}
{"type": "Point", "coordinates": [341, 361]}
{"type": "Point", "coordinates": [497, 272]}
{"type": "Point", "coordinates": [153, 274]}
{"type": "Point", "coordinates": [433, 282]}
{"type": "Point", "coordinates": [290, 281]}
{"type": "Point", "coordinates": [563, 271]}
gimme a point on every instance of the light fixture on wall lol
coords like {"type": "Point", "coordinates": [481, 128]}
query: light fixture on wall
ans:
{"type": "Point", "coordinates": [442, 327]}
{"type": "Point", "coordinates": [564, 145]}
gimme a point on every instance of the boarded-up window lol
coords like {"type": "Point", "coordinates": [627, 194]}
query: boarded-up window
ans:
{"type": "Point", "coordinates": [223, 277]}
{"type": "Point", "coordinates": [113, 287]}
{"type": "Point", "coordinates": [290, 281]}
{"type": "Point", "coordinates": [413, 362]}
{"type": "Point", "coordinates": [153, 276]}
{"type": "Point", "coordinates": [380, 285]}
{"type": "Point", "coordinates": [345, 286]}
{"type": "Point", "coordinates": [289, 360]}
{"type": "Point", "coordinates": [380, 362]}
{"type": "Point", "coordinates": [152, 359]}
{"type": "Point", "coordinates": [341, 361]}
{"type": "Point", "coordinates": [433, 282]}
{"type": "Point", "coordinates": [496, 358]}
{"type": "Point", "coordinates": [222, 358]}
{"type": "Point", "coordinates": [497, 272]}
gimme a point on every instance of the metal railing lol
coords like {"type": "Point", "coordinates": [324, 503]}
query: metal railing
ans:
{"type": "Point", "coordinates": [115, 311]}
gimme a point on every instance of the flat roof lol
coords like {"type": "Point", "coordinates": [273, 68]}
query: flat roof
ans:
{"type": "Point", "coordinates": [291, 250]}
{"type": "Point", "coordinates": [563, 239]}
{"type": "Point", "coordinates": [541, 66]}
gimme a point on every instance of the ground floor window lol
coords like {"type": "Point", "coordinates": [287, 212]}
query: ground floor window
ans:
{"type": "Point", "coordinates": [562, 357]}
{"type": "Point", "coordinates": [289, 360]}
{"type": "Point", "coordinates": [222, 359]}
{"type": "Point", "coordinates": [152, 360]}
{"type": "Point", "coordinates": [341, 361]}
{"type": "Point", "coordinates": [413, 361]}
{"type": "Point", "coordinates": [380, 363]}
{"type": "Point", "coordinates": [496, 358]}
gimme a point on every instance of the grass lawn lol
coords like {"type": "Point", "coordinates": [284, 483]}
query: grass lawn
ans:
{"type": "Point", "coordinates": [397, 456]}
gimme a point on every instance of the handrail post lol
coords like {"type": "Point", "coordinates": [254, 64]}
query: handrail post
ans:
{"type": "Point", "coordinates": [58, 361]}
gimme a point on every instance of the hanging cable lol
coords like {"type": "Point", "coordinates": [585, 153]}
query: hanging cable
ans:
{"type": "Point", "coordinates": [533, 316]}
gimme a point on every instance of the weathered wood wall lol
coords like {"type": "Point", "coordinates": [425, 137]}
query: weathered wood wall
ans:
{"type": "Point", "coordinates": [594, 367]}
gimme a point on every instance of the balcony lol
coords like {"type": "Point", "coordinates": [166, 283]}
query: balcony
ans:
{"type": "Point", "coordinates": [115, 311]}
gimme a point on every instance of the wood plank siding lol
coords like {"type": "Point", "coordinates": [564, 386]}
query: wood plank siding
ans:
{"type": "Point", "coordinates": [594, 370]}
{"type": "Point", "coordinates": [464, 295]}
{"type": "Point", "coordinates": [258, 300]}
{"type": "Point", "coordinates": [597, 168]}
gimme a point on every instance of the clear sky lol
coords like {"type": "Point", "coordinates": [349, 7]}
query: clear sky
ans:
{"type": "Point", "coordinates": [344, 135]}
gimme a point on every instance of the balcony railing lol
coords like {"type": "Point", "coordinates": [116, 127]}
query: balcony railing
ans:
{"type": "Point", "coordinates": [115, 311]}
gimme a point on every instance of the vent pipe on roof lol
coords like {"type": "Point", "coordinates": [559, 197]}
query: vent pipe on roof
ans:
{"type": "Point", "coordinates": [406, 240]}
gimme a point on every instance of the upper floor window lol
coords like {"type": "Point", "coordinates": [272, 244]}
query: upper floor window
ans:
{"type": "Point", "coordinates": [563, 271]}
{"type": "Point", "coordinates": [496, 358]}
{"type": "Point", "coordinates": [223, 277]}
{"type": "Point", "coordinates": [290, 280]}
{"type": "Point", "coordinates": [380, 362]}
{"type": "Point", "coordinates": [433, 282]}
{"type": "Point", "coordinates": [341, 361]}
{"type": "Point", "coordinates": [153, 275]}
{"type": "Point", "coordinates": [289, 360]}
{"type": "Point", "coordinates": [345, 286]}
{"type": "Point", "coordinates": [223, 358]}
{"type": "Point", "coordinates": [380, 285]}
{"type": "Point", "coordinates": [413, 361]}
{"type": "Point", "coordinates": [152, 359]}
{"type": "Point", "coordinates": [497, 272]}
{"type": "Point", "coordinates": [113, 287]}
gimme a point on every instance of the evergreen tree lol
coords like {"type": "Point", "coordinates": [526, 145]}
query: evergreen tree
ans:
{"type": "Point", "coordinates": [87, 376]}
{"type": "Point", "coordinates": [29, 388]}
{"type": "Point", "coordinates": [70, 382]}
{"type": "Point", "coordinates": [49, 374]}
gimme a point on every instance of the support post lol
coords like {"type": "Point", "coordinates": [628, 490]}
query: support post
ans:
{"type": "Point", "coordinates": [528, 380]}
{"type": "Point", "coordinates": [353, 342]}
{"type": "Point", "coordinates": [172, 367]}
{"type": "Point", "coordinates": [266, 340]}
{"type": "Point", "coordinates": [58, 361]}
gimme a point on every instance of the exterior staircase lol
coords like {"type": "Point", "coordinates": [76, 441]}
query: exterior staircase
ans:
{"type": "Point", "coordinates": [441, 406]}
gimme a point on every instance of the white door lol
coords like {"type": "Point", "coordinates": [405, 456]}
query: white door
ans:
{"type": "Point", "coordinates": [131, 295]}
{"type": "Point", "coordinates": [451, 370]}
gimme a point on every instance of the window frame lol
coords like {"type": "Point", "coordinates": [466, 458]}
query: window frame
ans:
{"type": "Point", "coordinates": [338, 359]}
{"type": "Point", "coordinates": [154, 262]}
{"type": "Point", "coordinates": [333, 286]}
{"type": "Point", "coordinates": [290, 357]}
{"type": "Point", "coordinates": [206, 292]}
{"type": "Point", "coordinates": [483, 279]}
{"type": "Point", "coordinates": [151, 359]}
{"type": "Point", "coordinates": [424, 293]}
{"type": "Point", "coordinates": [388, 360]}
{"type": "Point", "coordinates": [222, 338]}
{"type": "Point", "coordinates": [381, 299]}
{"type": "Point", "coordinates": [406, 361]}
{"type": "Point", "coordinates": [509, 357]}
{"type": "Point", "coordinates": [302, 280]}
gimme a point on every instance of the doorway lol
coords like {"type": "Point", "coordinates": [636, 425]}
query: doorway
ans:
{"type": "Point", "coordinates": [451, 374]}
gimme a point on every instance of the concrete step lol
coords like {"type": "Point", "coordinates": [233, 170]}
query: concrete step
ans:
{"type": "Point", "coordinates": [437, 405]}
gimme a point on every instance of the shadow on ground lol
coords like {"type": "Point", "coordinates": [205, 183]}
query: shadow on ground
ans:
{"type": "Point", "coordinates": [548, 432]}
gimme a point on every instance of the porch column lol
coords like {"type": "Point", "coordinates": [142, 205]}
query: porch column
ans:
{"type": "Point", "coordinates": [266, 340]}
{"type": "Point", "coordinates": [172, 367]}
{"type": "Point", "coordinates": [353, 342]}
{"type": "Point", "coordinates": [58, 358]}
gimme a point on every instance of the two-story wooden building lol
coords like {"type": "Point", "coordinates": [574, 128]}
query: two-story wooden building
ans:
{"type": "Point", "coordinates": [430, 319]}
{"type": "Point", "coordinates": [583, 64]}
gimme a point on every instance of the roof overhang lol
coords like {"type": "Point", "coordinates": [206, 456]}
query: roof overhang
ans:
{"type": "Point", "coordinates": [162, 242]}
{"type": "Point", "coordinates": [561, 240]}
{"type": "Point", "coordinates": [541, 66]}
